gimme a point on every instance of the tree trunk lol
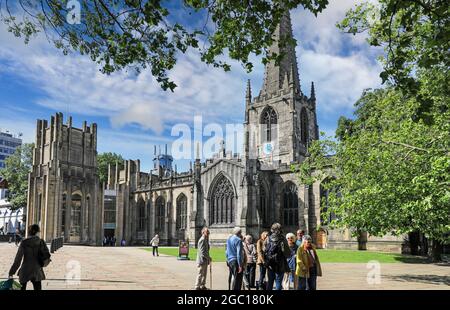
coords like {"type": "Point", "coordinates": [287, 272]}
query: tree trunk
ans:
{"type": "Point", "coordinates": [436, 251]}
{"type": "Point", "coordinates": [423, 245]}
{"type": "Point", "coordinates": [362, 240]}
{"type": "Point", "coordinates": [413, 238]}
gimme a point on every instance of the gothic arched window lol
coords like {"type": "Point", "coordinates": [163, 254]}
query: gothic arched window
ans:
{"type": "Point", "coordinates": [181, 212]}
{"type": "Point", "coordinates": [222, 202]}
{"type": "Point", "coordinates": [304, 126]}
{"type": "Point", "coordinates": [269, 121]}
{"type": "Point", "coordinates": [141, 214]}
{"type": "Point", "coordinates": [326, 191]}
{"type": "Point", "coordinates": [160, 214]}
{"type": "Point", "coordinates": [290, 205]}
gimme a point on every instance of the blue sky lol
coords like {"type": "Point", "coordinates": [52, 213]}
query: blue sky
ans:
{"type": "Point", "coordinates": [134, 114]}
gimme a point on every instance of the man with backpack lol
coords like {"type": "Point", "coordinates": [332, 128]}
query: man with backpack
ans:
{"type": "Point", "coordinates": [35, 255]}
{"type": "Point", "coordinates": [276, 254]}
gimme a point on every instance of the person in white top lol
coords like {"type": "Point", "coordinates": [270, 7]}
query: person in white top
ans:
{"type": "Point", "coordinates": [155, 242]}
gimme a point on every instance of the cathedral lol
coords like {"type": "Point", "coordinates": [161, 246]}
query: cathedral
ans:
{"type": "Point", "coordinates": [251, 190]}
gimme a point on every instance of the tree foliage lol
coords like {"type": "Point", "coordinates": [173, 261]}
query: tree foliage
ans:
{"type": "Point", "coordinates": [415, 35]}
{"type": "Point", "coordinates": [105, 159]}
{"type": "Point", "coordinates": [17, 168]}
{"type": "Point", "coordinates": [119, 34]}
{"type": "Point", "coordinates": [391, 171]}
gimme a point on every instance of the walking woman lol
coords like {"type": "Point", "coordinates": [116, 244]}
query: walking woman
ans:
{"type": "Point", "coordinates": [155, 243]}
{"type": "Point", "coordinates": [308, 265]}
{"type": "Point", "coordinates": [261, 284]}
{"type": "Point", "coordinates": [31, 257]}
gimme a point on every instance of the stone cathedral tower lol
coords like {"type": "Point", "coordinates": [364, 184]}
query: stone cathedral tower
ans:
{"type": "Point", "coordinates": [281, 121]}
{"type": "Point", "coordinates": [64, 195]}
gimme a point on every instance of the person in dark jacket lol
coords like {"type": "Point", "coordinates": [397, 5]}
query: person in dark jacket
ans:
{"type": "Point", "coordinates": [277, 252]}
{"type": "Point", "coordinates": [31, 269]}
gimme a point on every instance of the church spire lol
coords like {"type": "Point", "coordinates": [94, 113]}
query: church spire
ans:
{"type": "Point", "coordinates": [248, 94]}
{"type": "Point", "coordinates": [313, 92]}
{"type": "Point", "coordinates": [274, 76]}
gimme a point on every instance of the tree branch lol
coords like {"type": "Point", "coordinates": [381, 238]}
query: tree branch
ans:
{"type": "Point", "coordinates": [406, 145]}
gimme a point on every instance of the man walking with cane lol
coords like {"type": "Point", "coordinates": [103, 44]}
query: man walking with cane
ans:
{"type": "Point", "coordinates": [210, 275]}
{"type": "Point", "coordinates": [203, 260]}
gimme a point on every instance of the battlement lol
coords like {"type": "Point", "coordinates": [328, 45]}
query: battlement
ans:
{"type": "Point", "coordinates": [58, 141]}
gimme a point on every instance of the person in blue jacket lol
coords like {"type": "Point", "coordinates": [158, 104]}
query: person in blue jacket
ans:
{"type": "Point", "coordinates": [235, 258]}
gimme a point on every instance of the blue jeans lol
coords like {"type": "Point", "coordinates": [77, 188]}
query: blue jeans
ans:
{"type": "Point", "coordinates": [274, 276]}
{"type": "Point", "coordinates": [309, 283]}
{"type": "Point", "coordinates": [262, 275]}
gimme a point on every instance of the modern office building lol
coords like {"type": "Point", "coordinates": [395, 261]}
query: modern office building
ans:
{"type": "Point", "coordinates": [8, 145]}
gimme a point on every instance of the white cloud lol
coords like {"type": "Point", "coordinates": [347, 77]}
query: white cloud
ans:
{"type": "Point", "coordinates": [339, 81]}
{"type": "Point", "coordinates": [320, 33]}
{"type": "Point", "coordinates": [341, 65]}
{"type": "Point", "coordinates": [73, 83]}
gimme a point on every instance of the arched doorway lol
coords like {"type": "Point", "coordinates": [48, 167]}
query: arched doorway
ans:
{"type": "Point", "coordinates": [75, 218]}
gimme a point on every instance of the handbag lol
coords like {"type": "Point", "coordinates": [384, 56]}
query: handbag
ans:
{"type": "Point", "coordinates": [9, 285]}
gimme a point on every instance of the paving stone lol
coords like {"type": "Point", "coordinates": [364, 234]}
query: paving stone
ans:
{"type": "Point", "coordinates": [131, 268]}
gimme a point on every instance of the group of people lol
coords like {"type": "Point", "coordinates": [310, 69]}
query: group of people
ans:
{"type": "Point", "coordinates": [109, 241]}
{"type": "Point", "coordinates": [283, 261]}
{"type": "Point", "coordinates": [17, 235]}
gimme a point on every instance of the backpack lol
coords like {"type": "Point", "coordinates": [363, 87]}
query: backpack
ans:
{"type": "Point", "coordinates": [43, 255]}
{"type": "Point", "coordinates": [272, 253]}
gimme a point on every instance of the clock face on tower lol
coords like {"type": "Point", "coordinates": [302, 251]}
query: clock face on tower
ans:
{"type": "Point", "coordinates": [268, 148]}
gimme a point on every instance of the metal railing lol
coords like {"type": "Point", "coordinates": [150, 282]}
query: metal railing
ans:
{"type": "Point", "coordinates": [56, 244]}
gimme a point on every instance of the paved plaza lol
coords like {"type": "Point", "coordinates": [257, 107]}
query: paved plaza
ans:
{"type": "Point", "coordinates": [125, 268]}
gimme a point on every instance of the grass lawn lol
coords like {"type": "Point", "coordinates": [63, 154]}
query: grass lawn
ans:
{"type": "Point", "coordinates": [326, 256]}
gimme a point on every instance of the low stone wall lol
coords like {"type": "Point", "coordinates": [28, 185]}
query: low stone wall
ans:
{"type": "Point", "coordinates": [379, 246]}
{"type": "Point", "coordinates": [342, 245]}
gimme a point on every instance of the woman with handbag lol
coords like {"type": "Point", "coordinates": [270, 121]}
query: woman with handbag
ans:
{"type": "Point", "coordinates": [32, 256]}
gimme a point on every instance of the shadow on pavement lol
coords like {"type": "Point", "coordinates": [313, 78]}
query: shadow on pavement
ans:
{"type": "Point", "coordinates": [425, 278]}
{"type": "Point", "coordinates": [410, 259]}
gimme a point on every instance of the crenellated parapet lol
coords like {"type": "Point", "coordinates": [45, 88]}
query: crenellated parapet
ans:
{"type": "Point", "coordinates": [63, 185]}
